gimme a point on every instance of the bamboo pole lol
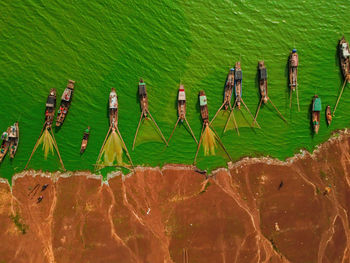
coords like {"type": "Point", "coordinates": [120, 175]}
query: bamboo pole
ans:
{"type": "Point", "coordinates": [277, 110]}
{"type": "Point", "coordinates": [137, 130]}
{"type": "Point", "coordinates": [290, 97]}
{"type": "Point", "coordinates": [250, 113]}
{"type": "Point", "coordinates": [341, 93]}
{"type": "Point", "coordinates": [257, 112]}
{"type": "Point", "coordinates": [166, 143]}
{"type": "Point", "coordinates": [126, 150]}
{"type": "Point", "coordinates": [217, 113]}
{"type": "Point", "coordinates": [103, 144]}
{"type": "Point", "coordinates": [178, 119]}
{"type": "Point", "coordinates": [297, 97]}
{"type": "Point", "coordinates": [58, 152]}
{"type": "Point", "coordinates": [221, 144]}
{"type": "Point", "coordinates": [232, 108]}
{"type": "Point", "coordinates": [199, 144]}
{"type": "Point", "coordinates": [194, 137]}
{"type": "Point", "coordinates": [35, 146]}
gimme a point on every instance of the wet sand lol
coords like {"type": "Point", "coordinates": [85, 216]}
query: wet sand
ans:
{"type": "Point", "coordinates": [258, 210]}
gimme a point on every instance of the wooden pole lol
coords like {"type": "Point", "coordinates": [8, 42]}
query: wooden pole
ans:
{"type": "Point", "coordinates": [58, 152]}
{"type": "Point", "coordinates": [194, 137]}
{"type": "Point", "coordinates": [126, 150]}
{"type": "Point", "coordinates": [277, 110]}
{"type": "Point", "coordinates": [137, 130]}
{"type": "Point", "coordinates": [297, 97]}
{"type": "Point", "coordinates": [341, 93]}
{"type": "Point", "coordinates": [232, 108]}
{"type": "Point", "coordinates": [257, 112]}
{"type": "Point", "coordinates": [250, 113]}
{"type": "Point", "coordinates": [103, 144]}
{"type": "Point", "coordinates": [221, 144]}
{"type": "Point", "coordinates": [217, 113]}
{"type": "Point", "coordinates": [290, 97]}
{"type": "Point", "coordinates": [35, 146]}
{"type": "Point", "coordinates": [158, 128]}
{"type": "Point", "coordinates": [199, 144]}
{"type": "Point", "coordinates": [178, 119]}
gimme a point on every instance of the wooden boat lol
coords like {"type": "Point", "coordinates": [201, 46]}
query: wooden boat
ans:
{"type": "Point", "coordinates": [66, 101]}
{"type": "Point", "coordinates": [181, 103]}
{"type": "Point", "coordinates": [85, 140]}
{"type": "Point", "coordinates": [238, 84]}
{"type": "Point", "coordinates": [143, 97]}
{"type": "Point", "coordinates": [328, 115]}
{"type": "Point", "coordinates": [293, 69]}
{"type": "Point", "coordinates": [316, 109]}
{"type": "Point", "coordinates": [113, 109]}
{"type": "Point", "coordinates": [344, 54]}
{"type": "Point", "coordinates": [14, 140]}
{"type": "Point", "coordinates": [5, 144]}
{"type": "Point", "coordinates": [229, 85]}
{"type": "Point", "coordinates": [50, 108]}
{"type": "Point", "coordinates": [204, 107]}
{"type": "Point", "coordinates": [263, 81]}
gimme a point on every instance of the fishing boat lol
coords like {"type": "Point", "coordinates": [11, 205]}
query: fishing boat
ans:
{"type": "Point", "coordinates": [50, 108]}
{"type": "Point", "coordinates": [344, 55]}
{"type": "Point", "coordinates": [293, 69]}
{"type": "Point", "coordinates": [229, 85]}
{"type": "Point", "coordinates": [14, 139]}
{"type": "Point", "coordinates": [143, 97]}
{"type": "Point", "coordinates": [5, 144]}
{"type": "Point", "coordinates": [113, 109]}
{"type": "Point", "coordinates": [263, 81]}
{"type": "Point", "coordinates": [66, 101]}
{"type": "Point", "coordinates": [85, 140]}
{"type": "Point", "coordinates": [204, 107]}
{"type": "Point", "coordinates": [238, 84]}
{"type": "Point", "coordinates": [316, 109]}
{"type": "Point", "coordinates": [328, 115]}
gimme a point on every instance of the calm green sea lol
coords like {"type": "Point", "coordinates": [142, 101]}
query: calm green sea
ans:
{"type": "Point", "coordinates": [104, 44]}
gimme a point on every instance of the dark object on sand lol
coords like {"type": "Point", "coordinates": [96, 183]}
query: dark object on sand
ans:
{"type": "Point", "coordinates": [44, 187]}
{"type": "Point", "coordinates": [40, 198]}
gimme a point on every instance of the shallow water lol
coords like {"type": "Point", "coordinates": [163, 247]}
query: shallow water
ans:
{"type": "Point", "coordinates": [113, 43]}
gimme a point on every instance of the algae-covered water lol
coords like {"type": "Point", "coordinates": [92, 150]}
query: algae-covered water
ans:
{"type": "Point", "coordinates": [104, 44]}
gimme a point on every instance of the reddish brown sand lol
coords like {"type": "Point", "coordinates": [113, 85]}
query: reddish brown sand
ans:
{"type": "Point", "coordinates": [177, 215]}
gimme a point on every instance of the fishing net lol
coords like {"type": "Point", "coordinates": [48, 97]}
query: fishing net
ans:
{"type": "Point", "coordinates": [112, 152]}
{"type": "Point", "coordinates": [209, 141]}
{"type": "Point", "coordinates": [148, 132]}
{"type": "Point", "coordinates": [226, 118]}
{"type": "Point", "coordinates": [48, 143]}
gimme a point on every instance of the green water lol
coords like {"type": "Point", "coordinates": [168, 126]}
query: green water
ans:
{"type": "Point", "coordinates": [104, 44]}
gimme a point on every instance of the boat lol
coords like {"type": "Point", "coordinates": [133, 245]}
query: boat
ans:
{"type": "Point", "coordinates": [238, 84]}
{"type": "Point", "coordinates": [181, 103]}
{"type": "Point", "coordinates": [66, 101]}
{"type": "Point", "coordinates": [316, 109]}
{"type": "Point", "coordinates": [14, 139]}
{"type": "Point", "coordinates": [328, 115]}
{"type": "Point", "coordinates": [293, 69]}
{"type": "Point", "coordinates": [204, 107]}
{"type": "Point", "coordinates": [263, 81]}
{"type": "Point", "coordinates": [50, 108]}
{"type": "Point", "coordinates": [143, 97]}
{"type": "Point", "coordinates": [113, 109]}
{"type": "Point", "coordinates": [229, 85]}
{"type": "Point", "coordinates": [85, 140]}
{"type": "Point", "coordinates": [344, 54]}
{"type": "Point", "coordinates": [5, 144]}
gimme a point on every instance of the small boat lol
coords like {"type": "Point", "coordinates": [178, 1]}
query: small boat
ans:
{"type": "Point", "coordinates": [316, 109]}
{"type": "Point", "coordinates": [344, 54]}
{"type": "Point", "coordinates": [204, 107]}
{"type": "Point", "coordinates": [328, 115]}
{"type": "Point", "coordinates": [50, 108]}
{"type": "Point", "coordinates": [293, 69]}
{"type": "Point", "coordinates": [229, 85]}
{"type": "Point", "coordinates": [14, 139]}
{"type": "Point", "coordinates": [113, 109]}
{"type": "Point", "coordinates": [5, 144]}
{"type": "Point", "coordinates": [85, 140]}
{"type": "Point", "coordinates": [181, 103]}
{"type": "Point", "coordinates": [238, 84]}
{"type": "Point", "coordinates": [143, 97]}
{"type": "Point", "coordinates": [66, 101]}
{"type": "Point", "coordinates": [263, 81]}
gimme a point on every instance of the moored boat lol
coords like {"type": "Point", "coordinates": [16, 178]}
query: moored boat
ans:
{"type": "Point", "coordinates": [113, 109]}
{"type": "Point", "coordinates": [263, 81]}
{"type": "Point", "coordinates": [50, 108]}
{"type": "Point", "coordinates": [229, 86]}
{"type": "Point", "coordinates": [5, 144]}
{"type": "Point", "coordinates": [238, 84]}
{"type": "Point", "coordinates": [328, 115]}
{"type": "Point", "coordinates": [316, 109]}
{"type": "Point", "coordinates": [344, 55]}
{"type": "Point", "coordinates": [143, 97]}
{"type": "Point", "coordinates": [66, 101]}
{"type": "Point", "coordinates": [293, 69]}
{"type": "Point", "coordinates": [203, 107]}
{"type": "Point", "coordinates": [181, 103]}
{"type": "Point", "coordinates": [85, 140]}
{"type": "Point", "coordinates": [14, 139]}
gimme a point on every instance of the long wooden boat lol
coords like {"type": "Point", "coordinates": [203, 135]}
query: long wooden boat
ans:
{"type": "Point", "coordinates": [85, 140]}
{"type": "Point", "coordinates": [293, 69]}
{"type": "Point", "coordinates": [203, 107]}
{"type": "Point", "coordinates": [316, 109]}
{"type": "Point", "coordinates": [263, 81]}
{"type": "Point", "coordinates": [50, 108]}
{"type": "Point", "coordinates": [5, 144]}
{"type": "Point", "coordinates": [143, 97]}
{"type": "Point", "coordinates": [328, 115]}
{"type": "Point", "coordinates": [113, 109]}
{"type": "Point", "coordinates": [229, 86]}
{"type": "Point", "coordinates": [238, 84]}
{"type": "Point", "coordinates": [66, 101]}
{"type": "Point", "coordinates": [344, 54]}
{"type": "Point", "coordinates": [14, 139]}
{"type": "Point", "coordinates": [181, 103]}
